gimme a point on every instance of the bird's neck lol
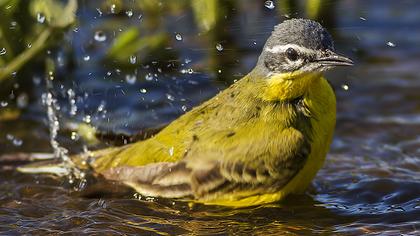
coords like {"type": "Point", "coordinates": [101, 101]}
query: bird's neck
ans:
{"type": "Point", "coordinates": [288, 86]}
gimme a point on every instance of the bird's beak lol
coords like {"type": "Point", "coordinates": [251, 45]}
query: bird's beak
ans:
{"type": "Point", "coordinates": [331, 58]}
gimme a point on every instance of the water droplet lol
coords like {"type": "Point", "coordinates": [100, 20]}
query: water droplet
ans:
{"type": "Point", "coordinates": [171, 151]}
{"type": "Point", "coordinates": [113, 8]}
{"type": "Point", "coordinates": [269, 5]}
{"type": "Point", "coordinates": [178, 37]}
{"type": "Point", "coordinates": [22, 100]}
{"type": "Point", "coordinates": [220, 71]}
{"type": "Point", "coordinates": [4, 103]}
{"type": "Point", "coordinates": [190, 71]}
{"type": "Point", "coordinates": [87, 119]}
{"type": "Point", "coordinates": [137, 196]}
{"type": "Point", "coordinates": [143, 90]}
{"type": "Point", "coordinates": [391, 44]}
{"type": "Point", "coordinates": [29, 45]}
{"type": "Point", "coordinates": [36, 80]}
{"type": "Point", "coordinates": [219, 47]}
{"type": "Point", "coordinates": [149, 77]}
{"type": "Point", "coordinates": [170, 97]}
{"type": "Point", "coordinates": [187, 60]}
{"type": "Point", "coordinates": [82, 184]}
{"type": "Point", "coordinates": [40, 18]}
{"type": "Point", "coordinates": [102, 203]}
{"type": "Point", "coordinates": [73, 108]}
{"type": "Point", "coordinates": [74, 136]}
{"type": "Point", "coordinates": [133, 59]}
{"type": "Point", "coordinates": [101, 107]}
{"type": "Point", "coordinates": [362, 18]}
{"type": "Point", "coordinates": [150, 199]}
{"type": "Point", "coordinates": [86, 58]}
{"type": "Point", "coordinates": [3, 51]}
{"type": "Point", "coordinates": [17, 142]}
{"type": "Point", "coordinates": [345, 87]}
{"type": "Point", "coordinates": [130, 79]}
{"type": "Point", "coordinates": [100, 36]}
{"type": "Point", "coordinates": [129, 13]}
{"type": "Point", "coordinates": [13, 24]}
{"type": "Point", "coordinates": [60, 60]}
{"type": "Point", "coordinates": [99, 11]}
{"type": "Point", "coordinates": [184, 108]}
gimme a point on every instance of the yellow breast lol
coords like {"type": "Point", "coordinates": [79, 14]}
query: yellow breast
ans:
{"type": "Point", "coordinates": [321, 102]}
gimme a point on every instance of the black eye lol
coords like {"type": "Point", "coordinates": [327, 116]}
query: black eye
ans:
{"type": "Point", "coordinates": [291, 54]}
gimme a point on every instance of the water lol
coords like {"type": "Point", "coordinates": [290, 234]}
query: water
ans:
{"type": "Point", "coordinates": [100, 36]}
{"type": "Point", "coordinates": [370, 183]}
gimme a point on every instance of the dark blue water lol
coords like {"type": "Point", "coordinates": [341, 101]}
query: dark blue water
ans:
{"type": "Point", "coordinates": [370, 183]}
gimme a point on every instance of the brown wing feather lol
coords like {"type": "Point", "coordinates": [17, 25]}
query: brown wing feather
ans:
{"type": "Point", "coordinates": [211, 179]}
{"type": "Point", "coordinates": [164, 179]}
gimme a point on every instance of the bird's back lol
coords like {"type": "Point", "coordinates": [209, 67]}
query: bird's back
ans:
{"type": "Point", "coordinates": [213, 120]}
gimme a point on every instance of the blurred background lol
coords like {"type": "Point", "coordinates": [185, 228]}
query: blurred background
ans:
{"type": "Point", "coordinates": [118, 71]}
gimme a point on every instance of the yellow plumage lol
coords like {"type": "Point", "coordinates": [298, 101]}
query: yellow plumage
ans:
{"type": "Point", "coordinates": [171, 144]}
{"type": "Point", "coordinates": [264, 137]}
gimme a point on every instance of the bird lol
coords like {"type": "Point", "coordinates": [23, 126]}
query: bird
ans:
{"type": "Point", "coordinates": [256, 142]}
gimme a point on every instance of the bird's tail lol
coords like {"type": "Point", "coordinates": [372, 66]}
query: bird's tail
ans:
{"type": "Point", "coordinates": [47, 163]}
{"type": "Point", "coordinates": [31, 163]}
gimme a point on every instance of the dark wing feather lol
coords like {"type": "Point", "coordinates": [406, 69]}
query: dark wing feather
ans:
{"type": "Point", "coordinates": [209, 179]}
{"type": "Point", "coordinates": [163, 179]}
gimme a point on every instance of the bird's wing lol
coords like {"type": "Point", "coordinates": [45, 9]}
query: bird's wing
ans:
{"type": "Point", "coordinates": [214, 172]}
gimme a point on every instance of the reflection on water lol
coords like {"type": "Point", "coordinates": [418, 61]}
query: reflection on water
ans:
{"type": "Point", "coordinates": [135, 66]}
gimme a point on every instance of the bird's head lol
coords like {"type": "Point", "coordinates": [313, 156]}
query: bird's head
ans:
{"type": "Point", "coordinates": [296, 54]}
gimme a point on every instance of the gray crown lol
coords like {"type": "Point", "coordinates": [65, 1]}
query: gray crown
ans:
{"type": "Point", "coordinates": [302, 32]}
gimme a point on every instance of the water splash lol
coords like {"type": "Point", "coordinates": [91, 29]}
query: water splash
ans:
{"type": "Point", "coordinates": [72, 100]}
{"type": "Point", "coordinates": [71, 170]}
{"type": "Point", "coordinates": [113, 8]}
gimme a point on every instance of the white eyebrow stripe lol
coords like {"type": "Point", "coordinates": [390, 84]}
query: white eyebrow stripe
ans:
{"type": "Point", "coordinates": [282, 48]}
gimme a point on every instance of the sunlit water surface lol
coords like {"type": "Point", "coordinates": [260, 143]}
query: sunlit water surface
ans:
{"type": "Point", "coordinates": [370, 183]}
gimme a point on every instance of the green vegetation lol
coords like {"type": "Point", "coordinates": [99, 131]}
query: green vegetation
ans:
{"type": "Point", "coordinates": [27, 29]}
